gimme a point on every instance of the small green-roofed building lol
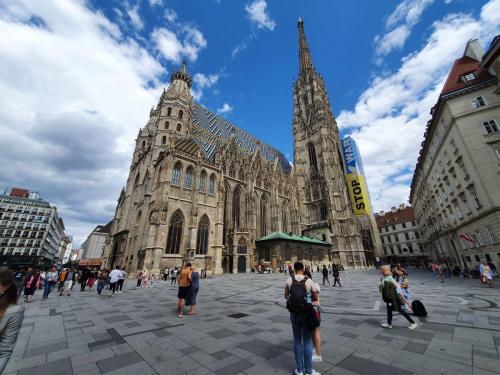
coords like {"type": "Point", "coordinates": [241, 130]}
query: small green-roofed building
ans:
{"type": "Point", "coordinates": [280, 249]}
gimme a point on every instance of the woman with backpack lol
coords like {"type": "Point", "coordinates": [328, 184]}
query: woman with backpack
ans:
{"type": "Point", "coordinates": [388, 290]}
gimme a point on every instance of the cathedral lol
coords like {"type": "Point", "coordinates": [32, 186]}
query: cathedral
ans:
{"type": "Point", "coordinates": [204, 191]}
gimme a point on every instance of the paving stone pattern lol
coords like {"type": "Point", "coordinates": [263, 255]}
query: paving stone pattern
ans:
{"type": "Point", "coordinates": [243, 328]}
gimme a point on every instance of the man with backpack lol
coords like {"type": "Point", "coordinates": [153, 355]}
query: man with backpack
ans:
{"type": "Point", "coordinates": [300, 291]}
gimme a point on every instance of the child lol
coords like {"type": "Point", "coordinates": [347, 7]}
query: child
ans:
{"type": "Point", "coordinates": [316, 337]}
{"type": "Point", "coordinates": [404, 291]}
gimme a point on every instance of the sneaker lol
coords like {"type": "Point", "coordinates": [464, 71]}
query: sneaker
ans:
{"type": "Point", "coordinates": [297, 372]}
{"type": "Point", "coordinates": [412, 326]}
{"type": "Point", "coordinates": [386, 325]}
{"type": "Point", "coordinates": [317, 358]}
{"type": "Point", "coordinates": [314, 372]}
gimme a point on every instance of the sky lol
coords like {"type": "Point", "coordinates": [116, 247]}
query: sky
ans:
{"type": "Point", "coordinates": [78, 79]}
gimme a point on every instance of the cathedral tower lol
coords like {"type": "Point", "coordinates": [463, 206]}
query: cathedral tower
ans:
{"type": "Point", "coordinates": [325, 205]}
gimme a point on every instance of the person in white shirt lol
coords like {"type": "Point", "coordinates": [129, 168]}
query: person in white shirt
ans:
{"type": "Point", "coordinates": [121, 280]}
{"type": "Point", "coordinates": [114, 276]}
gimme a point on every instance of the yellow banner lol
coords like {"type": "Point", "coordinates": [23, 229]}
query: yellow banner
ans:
{"type": "Point", "coordinates": [359, 197]}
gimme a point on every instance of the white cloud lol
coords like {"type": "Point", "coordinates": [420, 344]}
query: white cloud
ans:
{"type": "Point", "coordinates": [170, 15]}
{"type": "Point", "coordinates": [389, 118]}
{"type": "Point", "coordinates": [187, 42]}
{"type": "Point", "coordinates": [202, 82]}
{"type": "Point", "coordinates": [226, 108]}
{"type": "Point", "coordinates": [135, 18]}
{"type": "Point", "coordinates": [154, 3]}
{"type": "Point", "coordinates": [258, 15]}
{"type": "Point", "coordinates": [75, 91]}
{"type": "Point", "coordinates": [399, 25]}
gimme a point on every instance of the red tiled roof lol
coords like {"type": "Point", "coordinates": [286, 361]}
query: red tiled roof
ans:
{"type": "Point", "coordinates": [19, 193]}
{"type": "Point", "coordinates": [460, 67]}
{"type": "Point", "coordinates": [401, 215]}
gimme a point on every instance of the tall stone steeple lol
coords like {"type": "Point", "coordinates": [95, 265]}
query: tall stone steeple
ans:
{"type": "Point", "coordinates": [325, 203]}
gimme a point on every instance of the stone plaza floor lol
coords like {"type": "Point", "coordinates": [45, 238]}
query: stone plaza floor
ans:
{"type": "Point", "coordinates": [242, 327]}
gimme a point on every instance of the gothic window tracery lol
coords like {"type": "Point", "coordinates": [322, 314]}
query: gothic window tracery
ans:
{"type": "Point", "coordinates": [284, 219]}
{"type": "Point", "coordinates": [145, 183]}
{"type": "Point", "coordinates": [312, 157]}
{"type": "Point", "coordinates": [323, 215]}
{"type": "Point", "coordinates": [241, 174]}
{"type": "Point", "coordinates": [242, 246]}
{"type": "Point", "coordinates": [179, 127]}
{"type": "Point", "coordinates": [232, 171]}
{"type": "Point", "coordinates": [163, 140]}
{"type": "Point", "coordinates": [176, 174]}
{"type": "Point", "coordinates": [181, 113]}
{"type": "Point", "coordinates": [202, 237]}
{"type": "Point", "coordinates": [188, 180]}
{"type": "Point", "coordinates": [175, 233]}
{"type": "Point", "coordinates": [211, 185]}
{"type": "Point", "coordinates": [236, 207]}
{"type": "Point", "coordinates": [169, 111]}
{"type": "Point", "coordinates": [167, 124]}
{"type": "Point", "coordinates": [203, 177]}
{"type": "Point", "coordinates": [263, 216]}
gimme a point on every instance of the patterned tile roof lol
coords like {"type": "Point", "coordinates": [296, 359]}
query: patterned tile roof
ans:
{"type": "Point", "coordinates": [291, 237]}
{"type": "Point", "coordinates": [220, 127]}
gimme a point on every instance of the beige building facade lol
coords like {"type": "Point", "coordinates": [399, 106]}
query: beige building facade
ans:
{"type": "Point", "coordinates": [93, 246]}
{"type": "Point", "coordinates": [202, 190]}
{"type": "Point", "coordinates": [455, 189]}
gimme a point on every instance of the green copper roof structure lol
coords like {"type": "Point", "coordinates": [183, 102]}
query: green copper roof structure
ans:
{"type": "Point", "coordinates": [291, 237]}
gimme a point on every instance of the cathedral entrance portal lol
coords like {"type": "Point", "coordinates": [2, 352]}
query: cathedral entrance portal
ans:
{"type": "Point", "coordinates": [242, 264]}
{"type": "Point", "coordinates": [231, 264]}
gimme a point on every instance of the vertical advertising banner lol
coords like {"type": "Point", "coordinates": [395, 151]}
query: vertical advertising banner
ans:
{"type": "Point", "coordinates": [355, 178]}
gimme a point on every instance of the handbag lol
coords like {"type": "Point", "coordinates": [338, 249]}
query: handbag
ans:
{"type": "Point", "coordinates": [312, 316]}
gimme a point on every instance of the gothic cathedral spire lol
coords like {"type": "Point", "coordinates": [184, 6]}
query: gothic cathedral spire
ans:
{"type": "Point", "coordinates": [305, 59]}
{"type": "Point", "coordinates": [325, 205]}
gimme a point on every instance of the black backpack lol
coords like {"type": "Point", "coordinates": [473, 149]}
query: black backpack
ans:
{"type": "Point", "coordinates": [296, 302]}
{"type": "Point", "coordinates": [388, 292]}
{"type": "Point", "coordinates": [418, 308]}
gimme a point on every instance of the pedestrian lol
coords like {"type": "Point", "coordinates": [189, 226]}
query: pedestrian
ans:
{"type": "Point", "coordinates": [487, 275]}
{"type": "Point", "coordinates": [152, 280]}
{"type": "Point", "coordinates": [184, 282]}
{"type": "Point", "coordinates": [50, 282]}
{"type": "Point", "coordinates": [121, 280]}
{"type": "Point", "coordinates": [174, 276]}
{"type": "Point", "coordinates": [404, 291]}
{"type": "Point", "coordinates": [31, 285]}
{"type": "Point", "coordinates": [388, 289]}
{"type": "Point", "coordinates": [84, 278]}
{"type": "Point", "coordinates": [114, 276]}
{"type": "Point", "coordinates": [316, 336]}
{"type": "Point", "coordinates": [193, 290]}
{"type": "Point", "coordinates": [102, 280]}
{"type": "Point", "coordinates": [19, 278]}
{"type": "Point", "coordinates": [92, 278]}
{"type": "Point", "coordinates": [11, 317]}
{"type": "Point", "coordinates": [139, 279]}
{"type": "Point", "coordinates": [336, 275]}
{"type": "Point", "coordinates": [62, 277]}
{"type": "Point", "coordinates": [69, 280]}
{"type": "Point", "coordinates": [325, 275]}
{"type": "Point", "coordinates": [165, 274]}
{"type": "Point", "coordinates": [145, 278]}
{"type": "Point", "coordinates": [299, 289]}
{"type": "Point", "coordinates": [42, 282]}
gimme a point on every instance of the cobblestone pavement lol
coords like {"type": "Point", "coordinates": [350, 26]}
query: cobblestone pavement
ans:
{"type": "Point", "coordinates": [243, 328]}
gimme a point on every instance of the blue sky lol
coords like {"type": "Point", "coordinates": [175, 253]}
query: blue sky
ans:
{"type": "Point", "coordinates": [78, 79]}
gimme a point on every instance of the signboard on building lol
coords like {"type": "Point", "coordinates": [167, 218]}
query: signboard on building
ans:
{"type": "Point", "coordinates": [355, 178]}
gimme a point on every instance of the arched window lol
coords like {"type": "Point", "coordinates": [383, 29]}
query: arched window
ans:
{"type": "Point", "coordinates": [211, 185]}
{"type": "Point", "coordinates": [232, 171]}
{"type": "Point", "coordinates": [236, 207]}
{"type": "Point", "coordinates": [284, 219]}
{"type": "Point", "coordinates": [138, 218]}
{"type": "Point", "coordinates": [167, 124]}
{"type": "Point", "coordinates": [203, 177]}
{"type": "Point", "coordinates": [163, 140]}
{"type": "Point", "coordinates": [188, 180]}
{"type": "Point", "coordinates": [175, 233]}
{"type": "Point", "coordinates": [263, 216]}
{"type": "Point", "coordinates": [143, 144]}
{"type": "Point", "coordinates": [312, 157]}
{"type": "Point", "coordinates": [145, 183]}
{"type": "Point", "coordinates": [241, 175]}
{"type": "Point", "coordinates": [202, 238]}
{"type": "Point", "coordinates": [323, 212]}
{"type": "Point", "coordinates": [176, 174]}
{"type": "Point", "coordinates": [179, 127]}
{"type": "Point", "coordinates": [169, 111]}
{"type": "Point", "coordinates": [242, 246]}
{"type": "Point", "coordinates": [181, 114]}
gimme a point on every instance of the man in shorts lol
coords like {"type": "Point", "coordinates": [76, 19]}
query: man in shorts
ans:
{"type": "Point", "coordinates": [184, 282]}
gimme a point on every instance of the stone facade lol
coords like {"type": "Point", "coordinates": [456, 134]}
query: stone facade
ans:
{"type": "Point", "coordinates": [455, 190]}
{"type": "Point", "coordinates": [203, 190]}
